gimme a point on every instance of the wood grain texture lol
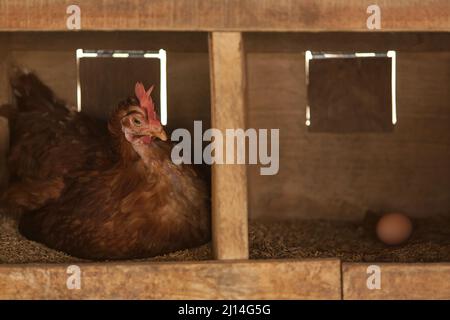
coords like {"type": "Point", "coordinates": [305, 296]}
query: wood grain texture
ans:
{"type": "Point", "coordinates": [398, 281]}
{"type": "Point", "coordinates": [358, 95]}
{"type": "Point", "coordinates": [99, 95]}
{"type": "Point", "coordinates": [283, 279]}
{"type": "Point", "coordinates": [294, 42]}
{"type": "Point", "coordinates": [223, 15]}
{"type": "Point", "coordinates": [229, 181]}
{"type": "Point", "coordinates": [171, 41]}
{"type": "Point", "coordinates": [340, 176]}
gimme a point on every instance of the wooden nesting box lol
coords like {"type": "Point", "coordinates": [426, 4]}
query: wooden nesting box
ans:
{"type": "Point", "coordinates": [242, 65]}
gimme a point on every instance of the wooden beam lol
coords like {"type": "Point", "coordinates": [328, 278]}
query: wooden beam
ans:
{"type": "Point", "coordinates": [281, 279]}
{"type": "Point", "coordinates": [171, 41]}
{"type": "Point", "coordinates": [298, 42]}
{"type": "Point", "coordinates": [229, 181]}
{"type": "Point", "coordinates": [398, 281]}
{"type": "Point", "coordinates": [227, 15]}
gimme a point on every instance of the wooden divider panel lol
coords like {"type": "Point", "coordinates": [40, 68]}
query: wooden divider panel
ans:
{"type": "Point", "coordinates": [229, 181]}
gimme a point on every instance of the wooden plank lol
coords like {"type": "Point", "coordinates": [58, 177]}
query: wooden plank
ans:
{"type": "Point", "coordinates": [282, 279]}
{"type": "Point", "coordinates": [229, 181]}
{"type": "Point", "coordinates": [173, 42]}
{"type": "Point", "coordinates": [227, 15]}
{"type": "Point", "coordinates": [398, 281]}
{"type": "Point", "coordinates": [294, 42]}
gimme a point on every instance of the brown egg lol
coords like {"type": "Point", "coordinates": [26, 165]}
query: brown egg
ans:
{"type": "Point", "coordinates": [394, 228]}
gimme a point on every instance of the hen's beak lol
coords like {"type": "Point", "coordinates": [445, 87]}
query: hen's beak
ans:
{"type": "Point", "coordinates": [161, 134]}
{"type": "Point", "coordinates": [153, 129]}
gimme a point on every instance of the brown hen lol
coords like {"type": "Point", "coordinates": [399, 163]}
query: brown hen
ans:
{"type": "Point", "coordinates": [116, 196]}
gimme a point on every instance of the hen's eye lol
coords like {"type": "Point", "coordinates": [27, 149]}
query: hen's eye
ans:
{"type": "Point", "coordinates": [136, 121]}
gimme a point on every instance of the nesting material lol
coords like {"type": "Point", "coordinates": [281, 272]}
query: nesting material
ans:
{"type": "Point", "coordinates": [14, 248]}
{"type": "Point", "coordinates": [301, 239]}
{"type": "Point", "coordinates": [349, 241]}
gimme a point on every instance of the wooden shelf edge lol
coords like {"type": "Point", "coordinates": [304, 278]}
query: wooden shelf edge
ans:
{"type": "Point", "coordinates": [228, 279]}
{"type": "Point", "coordinates": [244, 279]}
{"type": "Point", "coordinates": [398, 281]}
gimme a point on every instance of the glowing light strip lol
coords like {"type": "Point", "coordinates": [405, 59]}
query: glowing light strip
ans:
{"type": "Point", "coordinates": [308, 56]}
{"type": "Point", "coordinates": [82, 54]}
{"type": "Point", "coordinates": [151, 55]}
{"type": "Point", "coordinates": [365, 54]}
{"type": "Point", "coordinates": [324, 55]}
{"type": "Point", "coordinates": [120, 55]}
{"type": "Point", "coordinates": [163, 86]}
{"type": "Point", "coordinates": [392, 54]}
{"type": "Point", "coordinates": [79, 54]}
{"type": "Point", "coordinates": [332, 55]}
{"type": "Point", "coordinates": [308, 116]}
{"type": "Point", "coordinates": [161, 55]}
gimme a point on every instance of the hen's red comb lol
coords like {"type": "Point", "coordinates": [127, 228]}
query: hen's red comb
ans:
{"type": "Point", "coordinates": [145, 100]}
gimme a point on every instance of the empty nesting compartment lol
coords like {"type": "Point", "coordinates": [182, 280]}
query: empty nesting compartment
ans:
{"type": "Point", "coordinates": [351, 158]}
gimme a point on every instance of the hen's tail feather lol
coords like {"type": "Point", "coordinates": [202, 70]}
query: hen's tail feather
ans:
{"type": "Point", "coordinates": [31, 93]}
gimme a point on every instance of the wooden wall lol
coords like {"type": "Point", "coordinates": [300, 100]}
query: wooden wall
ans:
{"type": "Point", "coordinates": [332, 175]}
{"type": "Point", "coordinates": [52, 56]}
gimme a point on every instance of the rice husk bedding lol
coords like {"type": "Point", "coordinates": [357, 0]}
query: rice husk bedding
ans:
{"type": "Point", "coordinates": [298, 239]}
{"type": "Point", "coordinates": [349, 241]}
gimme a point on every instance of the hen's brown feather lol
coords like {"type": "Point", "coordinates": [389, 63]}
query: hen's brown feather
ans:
{"type": "Point", "coordinates": [49, 138]}
{"type": "Point", "coordinates": [113, 203]}
{"type": "Point", "coordinates": [126, 212]}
